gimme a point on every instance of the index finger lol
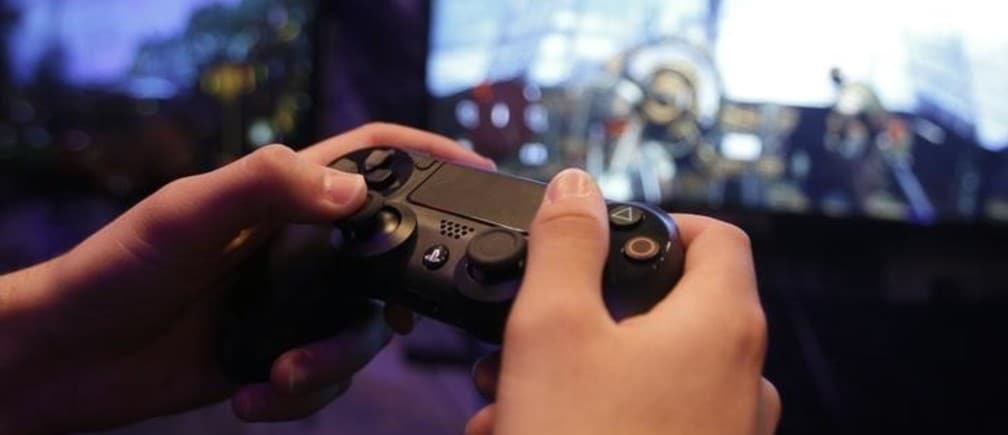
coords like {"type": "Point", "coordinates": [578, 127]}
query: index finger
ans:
{"type": "Point", "coordinates": [719, 264]}
{"type": "Point", "coordinates": [395, 136]}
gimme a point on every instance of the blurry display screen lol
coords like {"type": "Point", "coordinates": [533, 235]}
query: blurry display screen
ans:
{"type": "Point", "coordinates": [892, 110]}
{"type": "Point", "coordinates": [128, 94]}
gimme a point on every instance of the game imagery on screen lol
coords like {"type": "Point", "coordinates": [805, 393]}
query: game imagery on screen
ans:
{"type": "Point", "coordinates": [892, 111]}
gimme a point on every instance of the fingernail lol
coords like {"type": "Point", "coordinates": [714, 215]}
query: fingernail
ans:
{"type": "Point", "coordinates": [296, 380]}
{"type": "Point", "coordinates": [571, 183]}
{"type": "Point", "coordinates": [481, 163]}
{"type": "Point", "coordinates": [485, 374]}
{"type": "Point", "coordinates": [343, 188]}
{"type": "Point", "coordinates": [491, 164]}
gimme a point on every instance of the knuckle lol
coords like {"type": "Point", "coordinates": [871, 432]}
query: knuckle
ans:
{"type": "Point", "coordinates": [270, 160]}
{"type": "Point", "coordinates": [375, 125]}
{"type": "Point", "coordinates": [729, 234]}
{"type": "Point", "coordinates": [573, 223]}
{"type": "Point", "coordinates": [735, 235]}
{"type": "Point", "coordinates": [372, 128]}
{"type": "Point", "coordinates": [748, 332]}
{"type": "Point", "coordinates": [176, 190]}
{"type": "Point", "coordinates": [266, 181]}
{"type": "Point", "coordinates": [179, 185]}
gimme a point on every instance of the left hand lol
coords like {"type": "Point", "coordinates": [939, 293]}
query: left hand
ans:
{"type": "Point", "coordinates": [120, 328]}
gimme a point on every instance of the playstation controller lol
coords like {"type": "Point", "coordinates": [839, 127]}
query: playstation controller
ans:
{"type": "Point", "coordinates": [445, 240]}
{"type": "Point", "coordinates": [449, 242]}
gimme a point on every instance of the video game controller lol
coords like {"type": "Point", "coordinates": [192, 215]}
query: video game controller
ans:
{"type": "Point", "coordinates": [449, 242]}
{"type": "Point", "coordinates": [444, 240]}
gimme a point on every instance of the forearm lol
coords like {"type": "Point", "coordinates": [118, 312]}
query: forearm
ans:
{"type": "Point", "coordinates": [22, 358]}
{"type": "Point", "coordinates": [19, 292]}
{"type": "Point", "coordinates": [40, 306]}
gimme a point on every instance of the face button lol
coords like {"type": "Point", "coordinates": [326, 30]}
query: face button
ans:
{"type": "Point", "coordinates": [625, 216]}
{"type": "Point", "coordinates": [379, 179]}
{"type": "Point", "coordinates": [435, 257]}
{"type": "Point", "coordinates": [641, 249]}
{"type": "Point", "coordinates": [496, 255]}
{"type": "Point", "coordinates": [345, 165]}
{"type": "Point", "coordinates": [377, 159]}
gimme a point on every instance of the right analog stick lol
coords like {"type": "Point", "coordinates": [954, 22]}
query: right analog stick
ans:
{"type": "Point", "coordinates": [496, 255]}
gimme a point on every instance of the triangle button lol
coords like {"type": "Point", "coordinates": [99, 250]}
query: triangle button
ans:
{"type": "Point", "coordinates": [625, 216]}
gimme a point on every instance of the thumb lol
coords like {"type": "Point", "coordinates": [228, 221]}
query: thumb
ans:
{"type": "Point", "coordinates": [271, 185]}
{"type": "Point", "coordinates": [568, 245]}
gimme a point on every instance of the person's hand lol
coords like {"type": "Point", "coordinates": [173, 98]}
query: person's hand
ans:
{"type": "Point", "coordinates": [120, 328]}
{"type": "Point", "coordinates": [691, 365]}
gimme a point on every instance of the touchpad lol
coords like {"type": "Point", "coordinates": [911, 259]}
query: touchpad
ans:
{"type": "Point", "coordinates": [484, 196]}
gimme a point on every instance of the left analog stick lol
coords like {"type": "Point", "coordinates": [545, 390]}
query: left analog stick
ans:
{"type": "Point", "coordinates": [368, 218]}
{"type": "Point", "coordinates": [376, 228]}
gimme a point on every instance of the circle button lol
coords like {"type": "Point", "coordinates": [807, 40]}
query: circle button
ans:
{"type": "Point", "coordinates": [435, 257]}
{"type": "Point", "coordinates": [641, 249]}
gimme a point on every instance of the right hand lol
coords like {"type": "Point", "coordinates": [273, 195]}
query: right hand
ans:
{"type": "Point", "coordinates": [691, 365]}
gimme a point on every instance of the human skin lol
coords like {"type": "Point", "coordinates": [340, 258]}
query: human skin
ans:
{"type": "Point", "coordinates": [121, 327]}
{"type": "Point", "coordinates": [691, 365]}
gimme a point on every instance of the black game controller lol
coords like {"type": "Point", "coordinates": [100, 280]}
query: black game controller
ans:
{"type": "Point", "coordinates": [445, 240]}
{"type": "Point", "coordinates": [449, 242]}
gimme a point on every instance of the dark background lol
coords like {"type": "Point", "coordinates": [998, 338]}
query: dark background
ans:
{"type": "Point", "coordinates": [874, 327]}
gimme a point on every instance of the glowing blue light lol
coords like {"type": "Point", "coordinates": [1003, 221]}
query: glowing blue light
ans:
{"type": "Point", "coordinates": [467, 114]}
{"type": "Point", "coordinates": [533, 154]}
{"type": "Point", "coordinates": [500, 115]}
{"type": "Point", "coordinates": [151, 87]}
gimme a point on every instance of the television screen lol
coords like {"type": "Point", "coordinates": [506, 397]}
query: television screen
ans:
{"type": "Point", "coordinates": [893, 110]}
{"type": "Point", "coordinates": [119, 96]}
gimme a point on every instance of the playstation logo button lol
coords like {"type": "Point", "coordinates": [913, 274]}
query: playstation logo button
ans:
{"type": "Point", "coordinates": [435, 257]}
